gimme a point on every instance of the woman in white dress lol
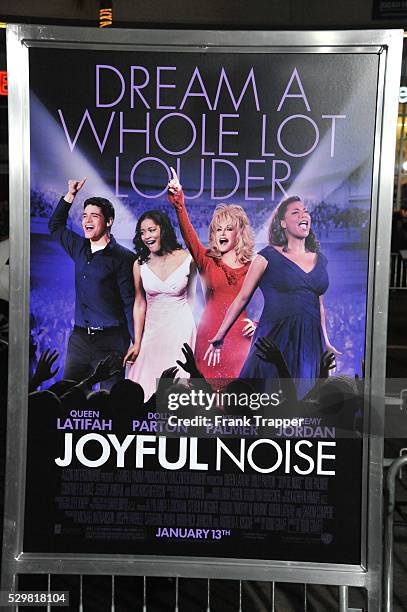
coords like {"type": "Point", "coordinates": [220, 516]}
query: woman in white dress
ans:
{"type": "Point", "coordinates": [165, 281]}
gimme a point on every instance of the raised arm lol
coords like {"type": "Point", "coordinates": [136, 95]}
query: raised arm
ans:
{"type": "Point", "coordinates": [68, 239]}
{"type": "Point", "coordinates": [195, 246]}
{"type": "Point", "coordinates": [139, 315]}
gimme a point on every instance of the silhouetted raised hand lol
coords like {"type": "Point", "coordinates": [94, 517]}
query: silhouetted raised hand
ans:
{"type": "Point", "coordinates": [268, 350]}
{"type": "Point", "coordinates": [106, 368]}
{"type": "Point", "coordinates": [43, 370]}
{"type": "Point", "coordinates": [190, 364]}
{"type": "Point", "coordinates": [167, 379]}
{"type": "Point", "coordinates": [327, 363]}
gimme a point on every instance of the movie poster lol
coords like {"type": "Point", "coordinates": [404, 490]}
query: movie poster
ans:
{"type": "Point", "coordinates": [269, 476]}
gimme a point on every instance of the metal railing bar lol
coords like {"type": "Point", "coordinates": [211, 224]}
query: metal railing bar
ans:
{"type": "Point", "coordinates": [395, 264]}
{"type": "Point", "coordinates": [388, 531]}
{"type": "Point", "coordinates": [144, 593]}
{"type": "Point", "coordinates": [176, 594]}
{"type": "Point", "coordinates": [49, 590]}
{"type": "Point", "coordinates": [398, 272]}
{"type": "Point", "coordinates": [256, 594]}
{"type": "Point", "coordinates": [81, 593]}
{"type": "Point", "coordinates": [113, 593]}
{"type": "Point", "coordinates": [273, 596]}
{"type": "Point", "coordinates": [343, 599]}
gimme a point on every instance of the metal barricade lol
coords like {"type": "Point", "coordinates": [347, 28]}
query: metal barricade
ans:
{"type": "Point", "coordinates": [389, 531]}
{"type": "Point", "coordinates": [398, 272]}
{"type": "Point", "coordinates": [211, 596]}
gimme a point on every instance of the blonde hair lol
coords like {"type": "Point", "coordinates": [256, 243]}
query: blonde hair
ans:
{"type": "Point", "coordinates": [234, 214]}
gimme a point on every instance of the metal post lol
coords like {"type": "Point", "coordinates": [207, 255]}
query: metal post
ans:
{"type": "Point", "coordinates": [343, 599]}
{"type": "Point", "coordinates": [81, 593]}
{"type": "Point", "coordinates": [15, 588]}
{"type": "Point", "coordinates": [144, 593]}
{"type": "Point", "coordinates": [176, 609]}
{"type": "Point", "coordinates": [49, 590]}
{"type": "Point", "coordinates": [388, 531]}
{"type": "Point", "coordinates": [395, 264]}
{"type": "Point", "coordinates": [402, 451]}
{"type": "Point", "coordinates": [113, 589]}
{"type": "Point", "coordinates": [400, 160]}
{"type": "Point", "coordinates": [273, 596]}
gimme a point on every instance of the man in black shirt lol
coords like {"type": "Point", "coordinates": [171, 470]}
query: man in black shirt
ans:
{"type": "Point", "coordinates": [103, 282]}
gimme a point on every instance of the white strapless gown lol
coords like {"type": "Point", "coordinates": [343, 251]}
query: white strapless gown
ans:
{"type": "Point", "coordinates": [168, 324]}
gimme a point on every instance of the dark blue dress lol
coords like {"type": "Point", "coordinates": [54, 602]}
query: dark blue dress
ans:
{"type": "Point", "coordinates": [291, 318]}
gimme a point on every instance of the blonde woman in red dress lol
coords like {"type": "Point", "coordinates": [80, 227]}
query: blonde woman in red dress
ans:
{"type": "Point", "coordinates": [222, 267]}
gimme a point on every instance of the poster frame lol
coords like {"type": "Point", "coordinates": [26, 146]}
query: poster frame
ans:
{"type": "Point", "coordinates": [387, 44]}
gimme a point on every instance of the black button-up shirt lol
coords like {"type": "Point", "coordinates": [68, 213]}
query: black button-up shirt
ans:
{"type": "Point", "coordinates": [103, 280]}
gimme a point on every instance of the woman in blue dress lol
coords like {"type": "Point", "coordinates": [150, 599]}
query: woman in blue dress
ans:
{"type": "Point", "coordinates": [291, 273]}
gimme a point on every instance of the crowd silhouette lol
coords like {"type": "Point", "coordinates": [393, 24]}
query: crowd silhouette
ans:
{"type": "Point", "coordinates": [337, 400]}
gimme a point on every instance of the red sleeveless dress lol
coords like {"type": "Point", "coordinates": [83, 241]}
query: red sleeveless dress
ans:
{"type": "Point", "coordinates": [222, 284]}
